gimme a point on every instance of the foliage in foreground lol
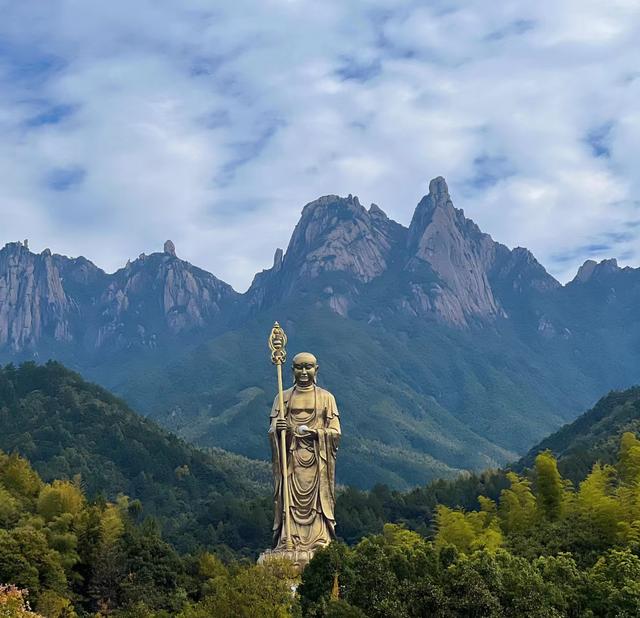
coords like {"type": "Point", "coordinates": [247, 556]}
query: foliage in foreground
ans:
{"type": "Point", "coordinates": [77, 558]}
{"type": "Point", "coordinates": [14, 603]}
{"type": "Point", "coordinates": [542, 549]}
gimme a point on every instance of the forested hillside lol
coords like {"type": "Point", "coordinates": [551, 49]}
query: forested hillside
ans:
{"type": "Point", "coordinates": [593, 436]}
{"type": "Point", "coordinates": [71, 557]}
{"type": "Point", "coordinates": [70, 428]}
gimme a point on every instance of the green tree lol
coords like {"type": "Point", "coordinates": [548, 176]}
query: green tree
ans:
{"type": "Point", "coordinates": [565, 584]}
{"type": "Point", "coordinates": [598, 506]}
{"type": "Point", "coordinates": [318, 577]}
{"type": "Point", "coordinates": [629, 459]}
{"type": "Point", "coordinates": [614, 585]}
{"type": "Point", "coordinates": [250, 592]}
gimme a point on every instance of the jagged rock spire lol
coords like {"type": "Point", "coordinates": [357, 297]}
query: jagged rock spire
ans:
{"type": "Point", "coordinates": [442, 239]}
{"type": "Point", "coordinates": [170, 248]}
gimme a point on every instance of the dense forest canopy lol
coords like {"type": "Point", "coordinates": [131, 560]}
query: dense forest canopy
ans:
{"type": "Point", "coordinates": [544, 548]}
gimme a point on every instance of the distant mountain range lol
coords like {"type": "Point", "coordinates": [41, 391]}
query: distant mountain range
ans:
{"type": "Point", "coordinates": [445, 349]}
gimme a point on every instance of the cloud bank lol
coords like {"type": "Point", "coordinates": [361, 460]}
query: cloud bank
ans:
{"type": "Point", "coordinates": [124, 124]}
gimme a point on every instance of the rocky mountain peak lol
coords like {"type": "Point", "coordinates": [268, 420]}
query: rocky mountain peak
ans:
{"type": "Point", "coordinates": [277, 259]}
{"type": "Point", "coordinates": [334, 235]}
{"type": "Point", "coordinates": [156, 290]}
{"type": "Point", "coordinates": [518, 270]}
{"type": "Point", "coordinates": [55, 298]}
{"type": "Point", "coordinates": [374, 209]}
{"type": "Point", "coordinates": [443, 241]}
{"type": "Point", "coordinates": [438, 187]}
{"type": "Point", "coordinates": [170, 248]}
{"type": "Point", "coordinates": [339, 234]}
{"type": "Point", "coordinates": [436, 205]}
{"type": "Point", "coordinates": [591, 270]}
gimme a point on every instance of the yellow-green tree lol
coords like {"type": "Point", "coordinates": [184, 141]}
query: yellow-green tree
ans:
{"type": "Point", "coordinates": [598, 504]}
{"type": "Point", "coordinates": [550, 489]}
{"type": "Point", "coordinates": [629, 459]}
{"type": "Point", "coordinates": [469, 531]}
{"type": "Point", "coordinates": [517, 505]}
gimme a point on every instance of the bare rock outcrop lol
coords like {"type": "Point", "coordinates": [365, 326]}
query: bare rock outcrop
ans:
{"type": "Point", "coordinates": [519, 271]}
{"type": "Point", "coordinates": [593, 271]}
{"type": "Point", "coordinates": [69, 301]}
{"type": "Point", "coordinates": [156, 293]}
{"type": "Point", "coordinates": [33, 302]}
{"type": "Point", "coordinates": [338, 234]}
{"type": "Point", "coordinates": [441, 239]}
{"type": "Point", "coordinates": [170, 248]}
{"type": "Point", "coordinates": [335, 236]}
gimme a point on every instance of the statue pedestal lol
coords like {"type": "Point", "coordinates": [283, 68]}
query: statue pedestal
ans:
{"type": "Point", "coordinates": [298, 558]}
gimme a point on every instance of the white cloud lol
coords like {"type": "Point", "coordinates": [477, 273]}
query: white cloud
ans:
{"type": "Point", "coordinates": [214, 124]}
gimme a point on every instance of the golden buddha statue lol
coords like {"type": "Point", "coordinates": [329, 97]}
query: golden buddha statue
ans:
{"type": "Point", "coordinates": [312, 425]}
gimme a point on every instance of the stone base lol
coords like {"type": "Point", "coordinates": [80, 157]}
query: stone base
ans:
{"type": "Point", "coordinates": [298, 557]}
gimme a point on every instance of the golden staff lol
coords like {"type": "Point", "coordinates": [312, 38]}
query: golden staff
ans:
{"type": "Point", "coordinates": [277, 343]}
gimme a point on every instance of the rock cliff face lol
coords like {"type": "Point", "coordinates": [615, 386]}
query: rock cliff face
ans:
{"type": "Point", "coordinates": [459, 254]}
{"type": "Point", "coordinates": [335, 236]}
{"type": "Point", "coordinates": [72, 301]}
{"type": "Point", "coordinates": [594, 271]}
{"type": "Point", "coordinates": [338, 235]}
{"type": "Point", "coordinates": [520, 272]}
{"type": "Point", "coordinates": [353, 260]}
{"type": "Point", "coordinates": [33, 302]}
{"type": "Point", "coordinates": [159, 292]}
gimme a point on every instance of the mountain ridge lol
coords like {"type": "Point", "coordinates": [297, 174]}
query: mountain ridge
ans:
{"type": "Point", "coordinates": [454, 271]}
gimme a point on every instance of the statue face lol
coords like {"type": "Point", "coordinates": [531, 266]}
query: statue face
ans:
{"type": "Point", "coordinates": [305, 368]}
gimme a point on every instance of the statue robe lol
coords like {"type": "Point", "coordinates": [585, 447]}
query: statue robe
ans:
{"type": "Point", "coordinates": [311, 471]}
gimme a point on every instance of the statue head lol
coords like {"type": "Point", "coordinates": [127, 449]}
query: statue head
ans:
{"type": "Point", "coordinates": [305, 369]}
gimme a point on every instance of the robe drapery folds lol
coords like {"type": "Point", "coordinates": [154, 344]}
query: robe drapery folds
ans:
{"type": "Point", "coordinates": [311, 470]}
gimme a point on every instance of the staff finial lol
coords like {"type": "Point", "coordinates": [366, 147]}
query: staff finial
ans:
{"type": "Point", "coordinates": [277, 343]}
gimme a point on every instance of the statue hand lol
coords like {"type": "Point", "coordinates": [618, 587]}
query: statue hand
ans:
{"type": "Point", "coordinates": [304, 432]}
{"type": "Point", "coordinates": [281, 424]}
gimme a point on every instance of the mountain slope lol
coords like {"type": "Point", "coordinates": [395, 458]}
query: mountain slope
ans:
{"type": "Point", "coordinates": [67, 426]}
{"type": "Point", "coordinates": [403, 395]}
{"type": "Point", "coordinates": [593, 436]}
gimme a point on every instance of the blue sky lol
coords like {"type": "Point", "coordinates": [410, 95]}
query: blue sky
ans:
{"type": "Point", "coordinates": [123, 124]}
